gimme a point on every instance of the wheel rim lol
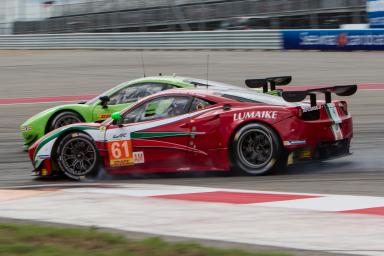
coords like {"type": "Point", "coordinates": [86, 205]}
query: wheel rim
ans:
{"type": "Point", "coordinates": [78, 157]}
{"type": "Point", "coordinates": [66, 120]}
{"type": "Point", "coordinates": [255, 148]}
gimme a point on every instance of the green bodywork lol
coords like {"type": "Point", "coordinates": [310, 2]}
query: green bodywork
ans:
{"type": "Point", "coordinates": [92, 110]}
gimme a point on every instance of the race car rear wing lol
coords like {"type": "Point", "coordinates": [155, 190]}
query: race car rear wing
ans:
{"type": "Point", "coordinates": [340, 90]}
{"type": "Point", "coordinates": [270, 81]}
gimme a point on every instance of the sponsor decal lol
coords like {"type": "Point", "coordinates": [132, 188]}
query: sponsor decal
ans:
{"type": "Point", "coordinates": [255, 114]}
{"type": "Point", "coordinates": [120, 153]}
{"type": "Point", "coordinates": [25, 128]}
{"type": "Point", "coordinates": [44, 156]}
{"type": "Point", "coordinates": [309, 109]}
{"type": "Point", "coordinates": [103, 116]}
{"type": "Point", "coordinates": [294, 142]}
{"type": "Point", "coordinates": [369, 39]}
{"type": "Point", "coordinates": [341, 40]}
{"type": "Point", "coordinates": [138, 157]}
{"type": "Point", "coordinates": [120, 136]}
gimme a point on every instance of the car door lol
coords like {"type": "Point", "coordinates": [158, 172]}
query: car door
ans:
{"type": "Point", "coordinates": [125, 97]}
{"type": "Point", "coordinates": [153, 137]}
{"type": "Point", "coordinates": [207, 130]}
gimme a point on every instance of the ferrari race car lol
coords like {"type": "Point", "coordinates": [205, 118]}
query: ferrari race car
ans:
{"type": "Point", "coordinates": [202, 130]}
{"type": "Point", "coordinates": [116, 99]}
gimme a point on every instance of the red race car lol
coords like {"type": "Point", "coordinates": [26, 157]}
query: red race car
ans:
{"type": "Point", "coordinates": [202, 130]}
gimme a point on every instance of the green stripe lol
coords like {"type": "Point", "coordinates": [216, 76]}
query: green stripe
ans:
{"type": "Point", "coordinates": [149, 135]}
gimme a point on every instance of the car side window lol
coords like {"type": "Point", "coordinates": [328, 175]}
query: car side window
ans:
{"type": "Point", "coordinates": [198, 104]}
{"type": "Point", "coordinates": [134, 115]}
{"type": "Point", "coordinates": [158, 108]}
{"type": "Point", "coordinates": [135, 92]}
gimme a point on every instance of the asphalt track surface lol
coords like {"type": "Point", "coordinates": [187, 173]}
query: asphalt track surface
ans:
{"type": "Point", "coordinates": [55, 73]}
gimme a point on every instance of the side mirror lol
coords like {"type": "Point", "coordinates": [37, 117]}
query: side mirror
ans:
{"type": "Point", "coordinates": [117, 118]}
{"type": "Point", "coordinates": [104, 101]}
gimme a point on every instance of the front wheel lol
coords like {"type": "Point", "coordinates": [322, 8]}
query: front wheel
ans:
{"type": "Point", "coordinates": [64, 118]}
{"type": "Point", "coordinates": [77, 156]}
{"type": "Point", "coordinates": [255, 149]}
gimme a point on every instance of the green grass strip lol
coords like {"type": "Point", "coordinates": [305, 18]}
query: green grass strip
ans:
{"type": "Point", "coordinates": [38, 240]}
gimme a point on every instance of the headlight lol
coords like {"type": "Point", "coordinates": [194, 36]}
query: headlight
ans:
{"type": "Point", "coordinates": [26, 128]}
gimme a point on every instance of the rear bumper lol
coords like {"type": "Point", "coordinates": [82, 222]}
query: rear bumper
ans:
{"type": "Point", "coordinates": [323, 151]}
{"type": "Point", "coordinates": [327, 150]}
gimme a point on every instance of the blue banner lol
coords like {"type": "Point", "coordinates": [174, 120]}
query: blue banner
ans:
{"type": "Point", "coordinates": [334, 39]}
{"type": "Point", "coordinates": [375, 10]}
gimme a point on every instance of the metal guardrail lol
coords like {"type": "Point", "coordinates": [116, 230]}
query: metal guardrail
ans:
{"type": "Point", "coordinates": [247, 39]}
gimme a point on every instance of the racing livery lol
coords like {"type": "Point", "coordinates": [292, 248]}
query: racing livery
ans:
{"type": "Point", "coordinates": [202, 130]}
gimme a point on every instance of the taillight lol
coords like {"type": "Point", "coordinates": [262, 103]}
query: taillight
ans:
{"type": "Point", "coordinates": [344, 107]}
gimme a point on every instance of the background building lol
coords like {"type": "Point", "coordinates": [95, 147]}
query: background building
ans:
{"type": "Point", "coordinates": [172, 15]}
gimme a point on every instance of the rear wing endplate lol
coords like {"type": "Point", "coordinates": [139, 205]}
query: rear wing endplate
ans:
{"type": "Point", "coordinates": [340, 90]}
{"type": "Point", "coordinates": [272, 82]}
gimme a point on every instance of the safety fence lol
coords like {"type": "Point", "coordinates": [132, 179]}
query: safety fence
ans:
{"type": "Point", "coordinates": [254, 39]}
{"type": "Point", "coordinates": [336, 39]}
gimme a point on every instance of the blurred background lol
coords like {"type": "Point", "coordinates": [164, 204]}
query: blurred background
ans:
{"type": "Point", "coordinates": [93, 16]}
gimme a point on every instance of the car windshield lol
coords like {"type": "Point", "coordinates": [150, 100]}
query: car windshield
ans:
{"type": "Point", "coordinates": [109, 92]}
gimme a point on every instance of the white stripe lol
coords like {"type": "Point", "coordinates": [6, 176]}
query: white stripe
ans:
{"type": "Point", "coordinates": [142, 192]}
{"type": "Point", "coordinates": [332, 203]}
{"type": "Point", "coordinates": [337, 132]}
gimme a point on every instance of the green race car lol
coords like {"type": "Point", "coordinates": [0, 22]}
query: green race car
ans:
{"type": "Point", "coordinates": [101, 107]}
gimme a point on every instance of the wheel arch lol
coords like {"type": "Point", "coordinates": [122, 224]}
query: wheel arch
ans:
{"type": "Point", "coordinates": [61, 140]}
{"type": "Point", "coordinates": [57, 142]}
{"type": "Point", "coordinates": [241, 125]}
{"type": "Point", "coordinates": [46, 129]}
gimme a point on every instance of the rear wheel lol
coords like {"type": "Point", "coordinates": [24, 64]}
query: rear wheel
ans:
{"type": "Point", "coordinates": [77, 156]}
{"type": "Point", "coordinates": [255, 149]}
{"type": "Point", "coordinates": [64, 118]}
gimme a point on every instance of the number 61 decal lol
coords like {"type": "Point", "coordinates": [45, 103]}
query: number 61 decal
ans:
{"type": "Point", "coordinates": [120, 153]}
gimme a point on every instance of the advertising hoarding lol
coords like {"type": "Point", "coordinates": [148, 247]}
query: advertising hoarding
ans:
{"type": "Point", "coordinates": [334, 39]}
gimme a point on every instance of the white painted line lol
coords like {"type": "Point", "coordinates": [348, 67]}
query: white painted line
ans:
{"type": "Point", "coordinates": [333, 203]}
{"type": "Point", "coordinates": [140, 192]}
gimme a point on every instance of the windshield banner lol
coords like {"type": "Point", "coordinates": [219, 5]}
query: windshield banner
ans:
{"type": "Point", "coordinates": [334, 39]}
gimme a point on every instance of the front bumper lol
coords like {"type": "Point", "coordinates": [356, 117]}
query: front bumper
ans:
{"type": "Point", "coordinates": [29, 136]}
{"type": "Point", "coordinates": [45, 169]}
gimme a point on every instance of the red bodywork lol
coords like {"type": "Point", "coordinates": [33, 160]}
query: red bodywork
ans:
{"type": "Point", "coordinates": [208, 147]}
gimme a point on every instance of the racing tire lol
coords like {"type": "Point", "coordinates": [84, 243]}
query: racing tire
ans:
{"type": "Point", "coordinates": [77, 156]}
{"type": "Point", "coordinates": [64, 118]}
{"type": "Point", "coordinates": [255, 149]}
